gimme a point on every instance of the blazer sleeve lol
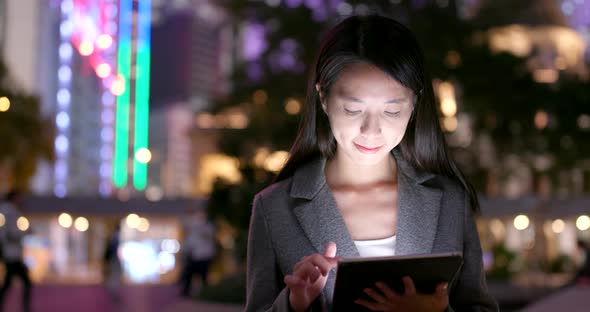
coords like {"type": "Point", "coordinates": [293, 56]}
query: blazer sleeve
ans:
{"type": "Point", "coordinates": [265, 289]}
{"type": "Point", "coordinates": [470, 292]}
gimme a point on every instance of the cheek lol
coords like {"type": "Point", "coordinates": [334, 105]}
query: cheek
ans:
{"type": "Point", "coordinates": [343, 128]}
{"type": "Point", "coordinates": [396, 131]}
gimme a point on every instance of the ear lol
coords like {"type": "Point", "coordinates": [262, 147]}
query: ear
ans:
{"type": "Point", "coordinates": [322, 99]}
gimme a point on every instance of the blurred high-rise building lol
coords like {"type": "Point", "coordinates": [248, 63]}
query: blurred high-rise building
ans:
{"type": "Point", "coordinates": [193, 41]}
{"type": "Point", "coordinates": [90, 63]}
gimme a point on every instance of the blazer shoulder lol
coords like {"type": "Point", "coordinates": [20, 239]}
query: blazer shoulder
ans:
{"type": "Point", "coordinates": [276, 191]}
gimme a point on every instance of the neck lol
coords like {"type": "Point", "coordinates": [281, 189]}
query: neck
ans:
{"type": "Point", "coordinates": [340, 171]}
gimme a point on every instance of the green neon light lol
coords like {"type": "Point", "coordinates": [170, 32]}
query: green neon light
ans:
{"type": "Point", "coordinates": [122, 112]}
{"type": "Point", "coordinates": [142, 91]}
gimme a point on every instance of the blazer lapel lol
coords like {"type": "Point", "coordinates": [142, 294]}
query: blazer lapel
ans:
{"type": "Point", "coordinates": [419, 207]}
{"type": "Point", "coordinates": [317, 212]}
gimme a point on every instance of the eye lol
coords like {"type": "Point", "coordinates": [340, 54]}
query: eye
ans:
{"type": "Point", "coordinates": [392, 114]}
{"type": "Point", "coordinates": [351, 112]}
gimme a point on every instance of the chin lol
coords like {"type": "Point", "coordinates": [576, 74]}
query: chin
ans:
{"type": "Point", "coordinates": [369, 159]}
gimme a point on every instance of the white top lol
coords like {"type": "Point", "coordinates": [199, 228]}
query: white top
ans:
{"type": "Point", "coordinates": [377, 247]}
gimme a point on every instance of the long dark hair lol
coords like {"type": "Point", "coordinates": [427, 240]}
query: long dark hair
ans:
{"type": "Point", "coordinates": [390, 46]}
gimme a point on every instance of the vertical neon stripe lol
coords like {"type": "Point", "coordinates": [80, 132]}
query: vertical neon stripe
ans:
{"type": "Point", "coordinates": [142, 90]}
{"type": "Point", "coordinates": [122, 114]}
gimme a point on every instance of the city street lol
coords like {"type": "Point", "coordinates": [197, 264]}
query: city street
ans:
{"type": "Point", "coordinates": [94, 298]}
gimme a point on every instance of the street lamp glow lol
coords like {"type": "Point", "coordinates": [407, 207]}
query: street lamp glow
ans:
{"type": "Point", "coordinates": [65, 220]}
{"type": "Point", "coordinates": [557, 226]}
{"type": "Point", "coordinates": [22, 223]}
{"type": "Point", "coordinates": [521, 222]}
{"type": "Point", "coordinates": [133, 221]}
{"type": "Point", "coordinates": [144, 225]}
{"type": "Point", "coordinates": [143, 155]}
{"type": "Point", "coordinates": [81, 224]}
{"type": "Point", "coordinates": [4, 104]}
{"type": "Point", "coordinates": [583, 222]}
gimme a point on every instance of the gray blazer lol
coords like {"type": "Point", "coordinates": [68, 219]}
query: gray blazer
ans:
{"type": "Point", "coordinates": [298, 216]}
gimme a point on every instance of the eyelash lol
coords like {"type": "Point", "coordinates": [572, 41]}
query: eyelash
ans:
{"type": "Point", "coordinates": [349, 112]}
{"type": "Point", "coordinates": [353, 113]}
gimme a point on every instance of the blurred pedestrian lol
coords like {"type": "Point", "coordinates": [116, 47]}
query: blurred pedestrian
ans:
{"type": "Point", "coordinates": [112, 269]}
{"type": "Point", "coordinates": [582, 277]}
{"type": "Point", "coordinates": [198, 250]}
{"type": "Point", "coordinates": [11, 238]}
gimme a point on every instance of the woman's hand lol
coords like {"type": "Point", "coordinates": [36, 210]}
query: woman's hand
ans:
{"type": "Point", "coordinates": [309, 277]}
{"type": "Point", "coordinates": [387, 299]}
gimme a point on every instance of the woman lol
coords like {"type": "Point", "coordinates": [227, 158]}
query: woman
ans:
{"type": "Point", "coordinates": [368, 175]}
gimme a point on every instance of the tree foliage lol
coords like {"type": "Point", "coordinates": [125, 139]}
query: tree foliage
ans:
{"type": "Point", "coordinates": [25, 136]}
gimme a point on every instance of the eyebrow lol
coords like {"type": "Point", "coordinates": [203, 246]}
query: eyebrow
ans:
{"type": "Point", "coordinates": [353, 99]}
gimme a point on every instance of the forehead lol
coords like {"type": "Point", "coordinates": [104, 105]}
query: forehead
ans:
{"type": "Point", "coordinates": [366, 80]}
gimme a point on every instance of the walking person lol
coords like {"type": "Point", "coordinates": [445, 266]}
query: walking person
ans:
{"type": "Point", "coordinates": [11, 239]}
{"type": "Point", "coordinates": [198, 250]}
{"type": "Point", "coordinates": [112, 264]}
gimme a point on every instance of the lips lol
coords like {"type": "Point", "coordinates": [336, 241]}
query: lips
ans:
{"type": "Point", "coordinates": [368, 150]}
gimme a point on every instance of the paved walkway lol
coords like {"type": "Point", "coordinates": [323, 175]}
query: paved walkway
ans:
{"type": "Point", "coordinates": [94, 298]}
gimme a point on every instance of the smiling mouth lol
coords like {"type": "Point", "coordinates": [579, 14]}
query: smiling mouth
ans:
{"type": "Point", "coordinates": [367, 150]}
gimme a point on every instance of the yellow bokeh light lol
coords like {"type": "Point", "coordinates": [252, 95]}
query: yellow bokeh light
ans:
{"type": "Point", "coordinates": [583, 222]}
{"type": "Point", "coordinates": [521, 222]}
{"type": "Point", "coordinates": [81, 224]}
{"type": "Point", "coordinates": [557, 226]}
{"type": "Point", "coordinates": [86, 48]}
{"type": "Point", "coordinates": [65, 220]}
{"type": "Point", "coordinates": [292, 106]}
{"type": "Point", "coordinates": [103, 70]}
{"type": "Point", "coordinates": [2, 220]}
{"type": "Point", "coordinates": [275, 161]}
{"type": "Point", "coordinates": [498, 229]}
{"type": "Point", "coordinates": [133, 221]}
{"type": "Point", "coordinates": [217, 166]}
{"type": "Point", "coordinates": [4, 104]}
{"type": "Point", "coordinates": [104, 41]}
{"type": "Point", "coordinates": [448, 107]}
{"type": "Point", "coordinates": [22, 224]}
{"type": "Point", "coordinates": [541, 120]}
{"type": "Point", "coordinates": [144, 225]}
{"type": "Point", "coordinates": [450, 123]}
{"type": "Point", "coordinates": [446, 90]}
{"type": "Point", "coordinates": [237, 120]}
{"type": "Point", "coordinates": [260, 97]}
{"type": "Point", "coordinates": [260, 156]}
{"type": "Point", "coordinates": [118, 86]}
{"type": "Point", "coordinates": [143, 155]}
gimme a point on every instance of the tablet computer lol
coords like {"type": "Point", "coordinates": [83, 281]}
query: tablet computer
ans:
{"type": "Point", "coordinates": [355, 274]}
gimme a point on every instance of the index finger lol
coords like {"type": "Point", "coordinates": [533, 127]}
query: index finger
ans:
{"type": "Point", "coordinates": [409, 287]}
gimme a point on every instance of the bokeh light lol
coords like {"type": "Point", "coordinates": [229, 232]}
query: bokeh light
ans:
{"type": "Point", "coordinates": [521, 222]}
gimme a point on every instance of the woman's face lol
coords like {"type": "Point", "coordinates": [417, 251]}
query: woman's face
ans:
{"type": "Point", "coordinates": [368, 112]}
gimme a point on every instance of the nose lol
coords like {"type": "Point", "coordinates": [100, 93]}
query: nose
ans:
{"type": "Point", "coordinates": [371, 125]}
